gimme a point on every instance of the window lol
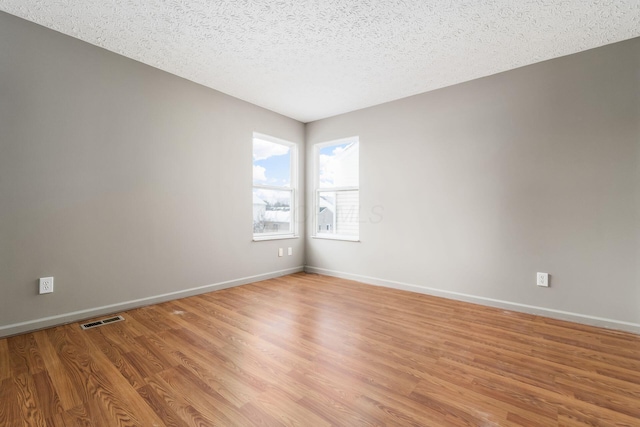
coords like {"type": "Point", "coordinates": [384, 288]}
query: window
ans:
{"type": "Point", "coordinates": [274, 188]}
{"type": "Point", "coordinates": [337, 195]}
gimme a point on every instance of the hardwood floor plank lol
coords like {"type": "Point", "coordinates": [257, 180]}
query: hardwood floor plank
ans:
{"type": "Point", "coordinates": [587, 417]}
{"type": "Point", "coordinates": [248, 331]}
{"type": "Point", "coordinates": [56, 420]}
{"type": "Point", "coordinates": [477, 404]}
{"type": "Point", "coordinates": [74, 363]}
{"type": "Point", "coordinates": [47, 395]}
{"type": "Point", "coordinates": [258, 417]}
{"type": "Point", "coordinates": [334, 405]}
{"type": "Point", "coordinates": [9, 404]}
{"type": "Point", "coordinates": [234, 390]}
{"type": "Point", "coordinates": [197, 396]}
{"type": "Point", "coordinates": [457, 378]}
{"type": "Point", "coordinates": [67, 393]}
{"type": "Point", "coordinates": [203, 349]}
{"type": "Point", "coordinates": [537, 400]}
{"type": "Point", "coordinates": [79, 416]}
{"type": "Point", "coordinates": [176, 403]}
{"type": "Point", "coordinates": [24, 355]}
{"type": "Point", "coordinates": [114, 353]}
{"type": "Point", "coordinates": [305, 350]}
{"type": "Point", "coordinates": [288, 412]}
{"type": "Point", "coordinates": [109, 396]}
{"type": "Point", "coordinates": [5, 360]}
{"type": "Point", "coordinates": [164, 412]}
{"type": "Point", "coordinates": [366, 398]}
{"type": "Point", "coordinates": [572, 379]}
{"type": "Point", "coordinates": [117, 404]}
{"type": "Point", "coordinates": [30, 409]}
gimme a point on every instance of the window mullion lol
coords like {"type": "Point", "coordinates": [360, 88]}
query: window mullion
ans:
{"type": "Point", "coordinates": [336, 189]}
{"type": "Point", "coordinates": [272, 187]}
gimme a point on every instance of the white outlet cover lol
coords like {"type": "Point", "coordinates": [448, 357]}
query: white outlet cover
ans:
{"type": "Point", "coordinates": [46, 285]}
{"type": "Point", "coordinates": [542, 279]}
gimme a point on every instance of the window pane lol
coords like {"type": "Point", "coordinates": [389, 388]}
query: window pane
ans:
{"type": "Point", "coordinates": [339, 165]}
{"type": "Point", "coordinates": [338, 212]}
{"type": "Point", "coordinates": [271, 163]}
{"type": "Point", "coordinates": [271, 211]}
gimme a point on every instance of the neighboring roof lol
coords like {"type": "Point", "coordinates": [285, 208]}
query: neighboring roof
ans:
{"type": "Point", "coordinates": [258, 201]}
{"type": "Point", "coordinates": [323, 203]}
{"type": "Point", "coordinates": [277, 216]}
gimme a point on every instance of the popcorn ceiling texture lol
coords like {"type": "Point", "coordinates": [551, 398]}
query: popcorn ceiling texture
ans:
{"type": "Point", "coordinates": [313, 59]}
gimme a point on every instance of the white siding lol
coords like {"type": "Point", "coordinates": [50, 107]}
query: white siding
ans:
{"type": "Point", "coordinates": [347, 213]}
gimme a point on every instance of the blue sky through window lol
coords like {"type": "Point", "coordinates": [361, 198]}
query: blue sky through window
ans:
{"type": "Point", "coordinates": [271, 163]}
{"type": "Point", "coordinates": [327, 162]}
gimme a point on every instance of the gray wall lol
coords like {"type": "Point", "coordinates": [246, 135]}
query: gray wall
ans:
{"type": "Point", "coordinates": [130, 185]}
{"type": "Point", "coordinates": [485, 183]}
{"type": "Point", "coordinates": [121, 181]}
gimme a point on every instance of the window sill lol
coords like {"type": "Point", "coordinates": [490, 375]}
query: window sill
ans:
{"type": "Point", "coordinates": [275, 237]}
{"type": "Point", "coordinates": [334, 237]}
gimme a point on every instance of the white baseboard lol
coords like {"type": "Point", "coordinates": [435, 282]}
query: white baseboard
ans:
{"type": "Point", "coordinates": [74, 316]}
{"type": "Point", "coordinates": [491, 302]}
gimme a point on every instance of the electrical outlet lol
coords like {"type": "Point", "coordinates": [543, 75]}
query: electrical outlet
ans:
{"type": "Point", "coordinates": [280, 252]}
{"type": "Point", "coordinates": [290, 251]}
{"type": "Point", "coordinates": [46, 285]}
{"type": "Point", "coordinates": [543, 279]}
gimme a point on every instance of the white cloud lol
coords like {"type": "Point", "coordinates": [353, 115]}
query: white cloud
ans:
{"type": "Point", "coordinates": [338, 150]}
{"type": "Point", "coordinates": [330, 165]}
{"type": "Point", "coordinates": [262, 149]}
{"type": "Point", "coordinates": [259, 174]}
{"type": "Point", "coordinates": [327, 170]}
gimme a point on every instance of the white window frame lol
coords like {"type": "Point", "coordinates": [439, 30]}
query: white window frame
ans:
{"type": "Point", "coordinates": [317, 190]}
{"type": "Point", "coordinates": [293, 158]}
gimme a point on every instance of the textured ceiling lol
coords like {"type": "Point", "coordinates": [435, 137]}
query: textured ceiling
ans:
{"type": "Point", "coordinates": [310, 59]}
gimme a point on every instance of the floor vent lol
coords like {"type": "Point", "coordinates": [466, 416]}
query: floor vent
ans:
{"type": "Point", "coordinates": [101, 322]}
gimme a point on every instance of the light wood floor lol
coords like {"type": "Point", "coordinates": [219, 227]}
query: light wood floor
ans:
{"type": "Point", "coordinates": [310, 350]}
